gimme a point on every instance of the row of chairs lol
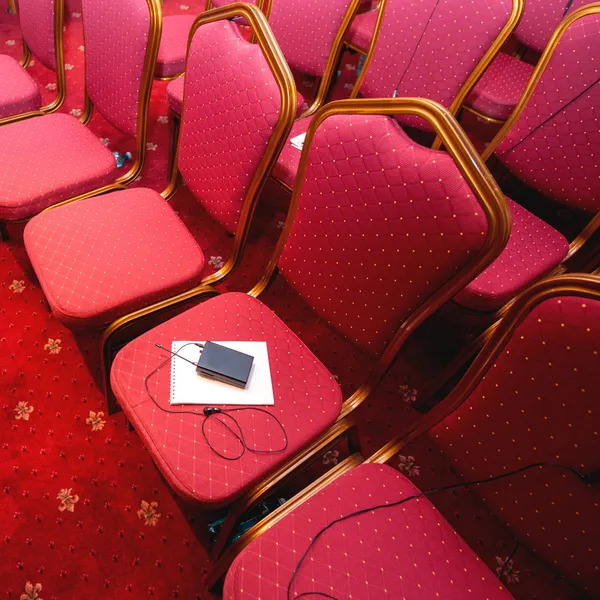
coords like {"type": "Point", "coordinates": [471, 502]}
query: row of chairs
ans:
{"type": "Point", "coordinates": [367, 195]}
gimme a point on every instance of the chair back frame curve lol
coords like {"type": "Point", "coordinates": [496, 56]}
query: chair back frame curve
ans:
{"type": "Point", "coordinates": [590, 9]}
{"type": "Point", "coordinates": [59, 52]}
{"type": "Point", "coordinates": [477, 177]}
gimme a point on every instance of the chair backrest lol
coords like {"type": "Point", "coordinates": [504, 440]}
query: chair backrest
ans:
{"type": "Point", "coordinates": [541, 18]}
{"type": "Point", "coordinates": [538, 402]}
{"type": "Point", "coordinates": [121, 44]}
{"type": "Point", "coordinates": [238, 107]}
{"type": "Point", "coordinates": [38, 21]}
{"type": "Point", "coordinates": [434, 48]}
{"type": "Point", "coordinates": [379, 224]}
{"type": "Point", "coordinates": [552, 140]}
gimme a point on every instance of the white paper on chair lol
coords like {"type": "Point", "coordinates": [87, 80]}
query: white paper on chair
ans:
{"type": "Point", "coordinates": [189, 387]}
{"type": "Point", "coordinates": [298, 141]}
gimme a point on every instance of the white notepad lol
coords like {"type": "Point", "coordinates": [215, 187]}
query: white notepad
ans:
{"type": "Point", "coordinates": [189, 387]}
{"type": "Point", "coordinates": [298, 141]}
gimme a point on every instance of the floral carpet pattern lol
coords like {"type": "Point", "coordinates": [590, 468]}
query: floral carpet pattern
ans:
{"type": "Point", "coordinates": [83, 511]}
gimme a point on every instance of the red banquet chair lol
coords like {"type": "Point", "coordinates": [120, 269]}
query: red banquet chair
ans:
{"type": "Point", "coordinates": [551, 143]}
{"type": "Point", "coordinates": [501, 86]}
{"type": "Point", "coordinates": [433, 49]}
{"type": "Point", "coordinates": [42, 30]}
{"type": "Point", "coordinates": [55, 158]}
{"type": "Point", "coordinates": [419, 222]}
{"type": "Point", "coordinates": [102, 259]}
{"type": "Point", "coordinates": [529, 397]}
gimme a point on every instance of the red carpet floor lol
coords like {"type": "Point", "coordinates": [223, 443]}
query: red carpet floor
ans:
{"type": "Point", "coordinates": [83, 511]}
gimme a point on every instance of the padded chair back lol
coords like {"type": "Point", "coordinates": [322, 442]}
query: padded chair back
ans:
{"type": "Point", "coordinates": [306, 30]}
{"type": "Point", "coordinates": [382, 224]}
{"type": "Point", "coordinates": [539, 402]}
{"type": "Point", "coordinates": [541, 18]}
{"type": "Point", "coordinates": [233, 102]}
{"type": "Point", "coordinates": [37, 19]}
{"type": "Point", "coordinates": [429, 48]}
{"type": "Point", "coordinates": [121, 43]}
{"type": "Point", "coordinates": [552, 140]}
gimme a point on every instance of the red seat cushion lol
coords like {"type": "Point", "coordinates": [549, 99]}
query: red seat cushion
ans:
{"type": "Point", "coordinates": [533, 250]}
{"type": "Point", "coordinates": [286, 167]}
{"type": "Point", "coordinates": [19, 93]}
{"type": "Point", "coordinates": [500, 87]}
{"type": "Point", "coordinates": [175, 97]}
{"type": "Point", "coordinates": [307, 399]}
{"type": "Point", "coordinates": [361, 30]}
{"type": "Point", "coordinates": [100, 258]}
{"type": "Point", "coordinates": [46, 160]}
{"type": "Point", "coordinates": [173, 45]}
{"type": "Point", "coordinates": [409, 551]}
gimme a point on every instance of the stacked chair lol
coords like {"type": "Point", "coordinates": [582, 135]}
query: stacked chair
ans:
{"type": "Point", "coordinates": [42, 30]}
{"type": "Point", "coordinates": [527, 398]}
{"type": "Point", "coordinates": [433, 49]}
{"type": "Point", "coordinates": [56, 159]}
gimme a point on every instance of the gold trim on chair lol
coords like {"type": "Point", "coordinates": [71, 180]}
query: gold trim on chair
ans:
{"type": "Point", "coordinates": [61, 85]}
{"type": "Point", "coordinates": [285, 81]}
{"type": "Point", "coordinates": [590, 9]}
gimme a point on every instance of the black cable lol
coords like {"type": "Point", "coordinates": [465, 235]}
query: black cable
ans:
{"type": "Point", "coordinates": [416, 48]}
{"type": "Point", "coordinates": [356, 513]}
{"type": "Point", "coordinates": [567, 7]}
{"type": "Point", "coordinates": [210, 412]}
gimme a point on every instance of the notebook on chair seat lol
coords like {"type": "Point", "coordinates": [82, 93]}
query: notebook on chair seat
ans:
{"type": "Point", "coordinates": [189, 387]}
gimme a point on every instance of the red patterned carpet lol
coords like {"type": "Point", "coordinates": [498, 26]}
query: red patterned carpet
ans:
{"type": "Point", "coordinates": [83, 511]}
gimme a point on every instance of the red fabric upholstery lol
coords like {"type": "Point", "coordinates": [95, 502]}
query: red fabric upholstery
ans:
{"type": "Point", "coordinates": [533, 250]}
{"type": "Point", "coordinates": [36, 18]}
{"type": "Point", "coordinates": [436, 64]}
{"type": "Point", "coordinates": [362, 28]}
{"type": "Point", "coordinates": [19, 92]}
{"type": "Point", "coordinates": [46, 160]}
{"type": "Point", "coordinates": [101, 258]}
{"type": "Point", "coordinates": [539, 403]}
{"type": "Point", "coordinates": [307, 399]}
{"type": "Point", "coordinates": [380, 214]}
{"type": "Point", "coordinates": [409, 551]}
{"type": "Point", "coordinates": [287, 164]}
{"type": "Point", "coordinates": [501, 86]}
{"type": "Point", "coordinates": [231, 110]}
{"type": "Point", "coordinates": [173, 45]}
{"type": "Point", "coordinates": [306, 30]}
{"type": "Point", "coordinates": [557, 153]}
{"type": "Point", "coordinates": [116, 37]}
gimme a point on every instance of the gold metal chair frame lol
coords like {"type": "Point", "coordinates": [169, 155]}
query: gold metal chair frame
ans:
{"type": "Point", "coordinates": [498, 216]}
{"type": "Point", "coordinates": [142, 120]}
{"type": "Point", "coordinates": [594, 224]}
{"type": "Point", "coordinates": [12, 7]}
{"type": "Point", "coordinates": [61, 85]}
{"type": "Point", "coordinates": [263, 5]}
{"type": "Point", "coordinates": [587, 286]}
{"type": "Point", "coordinates": [285, 81]}
{"type": "Point", "coordinates": [518, 8]}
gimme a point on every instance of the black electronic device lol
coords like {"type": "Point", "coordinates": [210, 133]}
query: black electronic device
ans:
{"type": "Point", "coordinates": [225, 365]}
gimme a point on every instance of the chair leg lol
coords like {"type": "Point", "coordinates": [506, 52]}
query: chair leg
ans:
{"type": "Point", "coordinates": [3, 232]}
{"type": "Point", "coordinates": [107, 356]}
{"type": "Point", "coordinates": [173, 141]}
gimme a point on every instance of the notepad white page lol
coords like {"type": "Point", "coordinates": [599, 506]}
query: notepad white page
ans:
{"type": "Point", "coordinates": [189, 387]}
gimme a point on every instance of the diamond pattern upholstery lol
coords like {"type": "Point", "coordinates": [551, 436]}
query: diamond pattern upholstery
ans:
{"type": "Point", "coordinates": [380, 214]}
{"type": "Point", "coordinates": [115, 51]}
{"type": "Point", "coordinates": [101, 258]}
{"type": "Point", "coordinates": [19, 92]}
{"type": "Point", "coordinates": [539, 403]}
{"type": "Point", "coordinates": [498, 91]}
{"type": "Point", "coordinates": [307, 400]}
{"type": "Point", "coordinates": [408, 551]}
{"type": "Point", "coordinates": [430, 48]}
{"type": "Point", "coordinates": [533, 250]}
{"type": "Point", "coordinates": [361, 29]}
{"type": "Point", "coordinates": [36, 18]}
{"type": "Point", "coordinates": [231, 110]}
{"type": "Point", "coordinates": [47, 160]}
{"type": "Point", "coordinates": [173, 45]}
{"type": "Point", "coordinates": [554, 146]}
